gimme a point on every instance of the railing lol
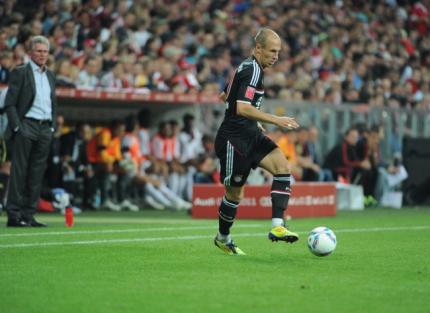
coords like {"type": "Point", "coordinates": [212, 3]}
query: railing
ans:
{"type": "Point", "coordinates": [333, 121]}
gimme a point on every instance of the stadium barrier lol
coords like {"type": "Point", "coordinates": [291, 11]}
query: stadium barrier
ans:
{"type": "Point", "coordinates": [307, 200]}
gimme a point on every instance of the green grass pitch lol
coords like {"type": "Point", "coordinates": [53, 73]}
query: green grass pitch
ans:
{"type": "Point", "coordinates": [167, 262]}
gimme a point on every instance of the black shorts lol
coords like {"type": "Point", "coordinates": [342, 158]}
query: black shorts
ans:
{"type": "Point", "coordinates": [239, 155]}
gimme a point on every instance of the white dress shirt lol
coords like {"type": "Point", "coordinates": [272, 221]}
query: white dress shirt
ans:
{"type": "Point", "coordinates": [42, 106]}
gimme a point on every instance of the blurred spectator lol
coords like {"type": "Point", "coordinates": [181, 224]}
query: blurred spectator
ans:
{"type": "Point", "coordinates": [157, 194]}
{"type": "Point", "coordinates": [385, 176]}
{"type": "Point", "coordinates": [165, 149]}
{"type": "Point", "coordinates": [190, 146]}
{"type": "Point", "coordinates": [162, 78]}
{"type": "Point", "coordinates": [65, 51]}
{"type": "Point", "coordinates": [6, 63]}
{"type": "Point", "coordinates": [78, 174]}
{"type": "Point", "coordinates": [286, 141]}
{"type": "Point", "coordinates": [372, 153]}
{"type": "Point", "coordinates": [88, 76]}
{"type": "Point", "coordinates": [69, 32]}
{"type": "Point", "coordinates": [141, 78]}
{"type": "Point", "coordinates": [54, 169]}
{"type": "Point", "coordinates": [150, 162]}
{"type": "Point", "coordinates": [344, 161]}
{"type": "Point", "coordinates": [116, 78]}
{"type": "Point", "coordinates": [206, 168]}
{"type": "Point", "coordinates": [190, 140]}
{"type": "Point", "coordinates": [208, 144]}
{"type": "Point", "coordinates": [308, 158]}
{"type": "Point", "coordinates": [312, 146]}
{"type": "Point", "coordinates": [104, 153]}
{"type": "Point", "coordinates": [66, 74]}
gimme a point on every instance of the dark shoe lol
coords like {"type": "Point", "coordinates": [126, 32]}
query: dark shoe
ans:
{"type": "Point", "coordinates": [12, 222]}
{"type": "Point", "coordinates": [33, 223]}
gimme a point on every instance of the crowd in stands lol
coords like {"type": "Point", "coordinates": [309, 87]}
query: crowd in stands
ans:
{"type": "Point", "coordinates": [356, 159]}
{"type": "Point", "coordinates": [335, 51]}
{"type": "Point", "coordinates": [128, 165]}
{"type": "Point", "coordinates": [370, 52]}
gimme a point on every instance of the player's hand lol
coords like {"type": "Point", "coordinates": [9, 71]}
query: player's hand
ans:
{"type": "Point", "coordinates": [287, 122]}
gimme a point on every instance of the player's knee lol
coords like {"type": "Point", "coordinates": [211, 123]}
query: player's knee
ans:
{"type": "Point", "coordinates": [276, 163]}
{"type": "Point", "coordinates": [281, 169]}
{"type": "Point", "coordinates": [235, 197]}
{"type": "Point", "coordinates": [235, 194]}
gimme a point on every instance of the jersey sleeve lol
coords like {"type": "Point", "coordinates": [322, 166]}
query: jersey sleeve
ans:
{"type": "Point", "coordinates": [248, 80]}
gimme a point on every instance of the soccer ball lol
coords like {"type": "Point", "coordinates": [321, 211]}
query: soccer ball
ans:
{"type": "Point", "coordinates": [322, 241]}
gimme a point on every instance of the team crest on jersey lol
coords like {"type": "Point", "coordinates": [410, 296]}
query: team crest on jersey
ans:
{"type": "Point", "coordinates": [237, 178]}
{"type": "Point", "coordinates": [249, 93]}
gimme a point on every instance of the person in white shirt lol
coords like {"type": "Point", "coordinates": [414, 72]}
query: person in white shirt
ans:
{"type": "Point", "coordinates": [190, 146]}
{"type": "Point", "coordinates": [30, 105]}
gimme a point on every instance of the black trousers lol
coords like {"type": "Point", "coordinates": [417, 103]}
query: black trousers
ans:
{"type": "Point", "coordinates": [29, 152]}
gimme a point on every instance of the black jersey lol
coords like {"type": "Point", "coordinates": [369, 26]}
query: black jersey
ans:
{"type": "Point", "coordinates": [246, 85]}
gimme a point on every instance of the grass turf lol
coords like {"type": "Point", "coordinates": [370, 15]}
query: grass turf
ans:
{"type": "Point", "coordinates": [120, 263]}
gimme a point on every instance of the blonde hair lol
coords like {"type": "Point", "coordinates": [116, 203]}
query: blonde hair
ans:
{"type": "Point", "coordinates": [262, 35]}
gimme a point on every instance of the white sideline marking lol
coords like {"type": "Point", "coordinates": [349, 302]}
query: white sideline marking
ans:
{"type": "Point", "coordinates": [119, 231]}
{"type": "Point", "coordinates": [375, 229]}
{"type": "Point", "coordinates": [129, 240]}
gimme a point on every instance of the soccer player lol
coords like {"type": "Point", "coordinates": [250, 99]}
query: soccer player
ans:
{"type": "Point", "coordinates": [241, 145]}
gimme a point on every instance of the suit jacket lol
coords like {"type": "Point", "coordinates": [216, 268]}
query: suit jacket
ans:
{"type": "Point", "coordinates": [67, 144]}
{"type": "Point", "coordinates": [20, 96]}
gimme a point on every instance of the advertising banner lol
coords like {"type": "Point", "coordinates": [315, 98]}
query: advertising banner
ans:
{"type": "Point", "coordinates": [307, 200]}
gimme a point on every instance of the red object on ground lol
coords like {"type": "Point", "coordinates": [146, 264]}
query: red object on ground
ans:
{"type": "Point", "coordinates": [307, 200]}
{"type": "Point", "coordinates": [69, 216]}
{"type": "Point", "coordinates": [45, 206]}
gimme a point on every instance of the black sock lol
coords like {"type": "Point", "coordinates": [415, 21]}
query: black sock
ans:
{"type": "Point", "coordinates": [280, 194]}
{"type": "Point", "coordinates": [227, 213]}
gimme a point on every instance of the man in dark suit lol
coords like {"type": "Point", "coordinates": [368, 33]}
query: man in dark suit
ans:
{"type": "Point", "coordinates": [30, 106]}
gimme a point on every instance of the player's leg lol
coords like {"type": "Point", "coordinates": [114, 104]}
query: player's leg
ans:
{"type": "Point", "coordinates": [228, 209]}
{"type": "Point", "coordinates": [235, 167]}
{"type": "Point", "coordinates": [276, 163]}
{"type": "Point", "coordinates": [226, 215]}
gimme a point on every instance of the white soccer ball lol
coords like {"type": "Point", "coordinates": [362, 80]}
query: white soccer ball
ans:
{"type": "Point", "coordinates": [322, 241]}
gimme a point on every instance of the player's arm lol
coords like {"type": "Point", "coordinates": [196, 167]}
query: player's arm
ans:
{"type": "Point", "coordinates": [248, 78]}
{"type": "Point", "coordinates": [245, 109]}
